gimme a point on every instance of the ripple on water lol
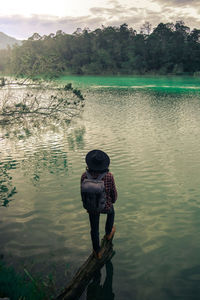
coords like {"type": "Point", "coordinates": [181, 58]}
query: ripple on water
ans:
{"type": "Point", "coordinates": [151, 137]}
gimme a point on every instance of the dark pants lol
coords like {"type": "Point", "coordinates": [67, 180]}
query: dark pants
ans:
{"type": "Point", "coordinates": [94, 224]}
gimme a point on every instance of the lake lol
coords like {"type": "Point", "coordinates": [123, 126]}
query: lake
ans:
{"type": "Point", "coordinates": [150, 127]}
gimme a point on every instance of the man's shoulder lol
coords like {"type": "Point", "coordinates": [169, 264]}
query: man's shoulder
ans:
{"type": "Point", "coordinates": [109, 175]}
{"type": "Point", "coordinates": [83, 176]}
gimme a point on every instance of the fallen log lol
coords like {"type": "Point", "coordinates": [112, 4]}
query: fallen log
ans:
{"type": "Point", "coordinates": [83, 276]}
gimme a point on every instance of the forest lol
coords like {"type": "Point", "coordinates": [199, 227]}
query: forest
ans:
{"type": "Point", "coordinates": [167, 49]}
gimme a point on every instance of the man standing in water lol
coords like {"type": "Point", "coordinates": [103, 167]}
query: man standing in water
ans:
{"type": "Point", "coordinates": [98, 193]}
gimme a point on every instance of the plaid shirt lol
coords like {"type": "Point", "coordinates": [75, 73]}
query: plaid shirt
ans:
{"type": "Point", "coordinates": [110, 188]}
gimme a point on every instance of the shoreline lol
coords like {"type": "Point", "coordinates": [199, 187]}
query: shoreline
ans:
{"type": "Point", "coordinates": [149, 74]}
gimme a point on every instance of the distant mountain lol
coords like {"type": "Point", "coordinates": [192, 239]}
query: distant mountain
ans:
{"type": "Point", "coordinates": [6, 40]}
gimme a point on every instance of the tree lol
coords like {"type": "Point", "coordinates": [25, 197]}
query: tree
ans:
{"type": "Point", "coordinates": [107, 50]}
{"type": "Point", "coordinates": [146, 28]}
{"type": "Point", "coordinates": [35, 37]}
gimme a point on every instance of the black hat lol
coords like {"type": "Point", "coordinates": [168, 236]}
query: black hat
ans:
{"type": "Point", "coordinates": [97, 160]}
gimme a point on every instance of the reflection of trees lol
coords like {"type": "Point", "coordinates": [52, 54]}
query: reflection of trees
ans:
{"type": "Point", "coordinates": [75, 138]}
{"type": "Point", "coordinates": [6, 188]}
{"type": "Point", "coordinates": [28, 107]}
{"type": "Point", "coordinates": [97, 291]}
{"type": "Point", "coordinates": [53, 160]}
{"type": "Point", "coordinates": [30, 111]}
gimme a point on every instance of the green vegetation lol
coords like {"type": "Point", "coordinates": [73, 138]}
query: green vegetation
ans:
{"type": "Point", "coordinates": [7, 191]}
{"type": "Point", "coordinates": [23, 286]}
{"type": "Point", "coordinates": [168, 49]}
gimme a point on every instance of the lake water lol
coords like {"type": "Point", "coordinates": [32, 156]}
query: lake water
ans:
{"type": "Point", "coordinates": [150, 127]}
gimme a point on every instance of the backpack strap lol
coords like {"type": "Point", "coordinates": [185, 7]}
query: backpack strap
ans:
{"type": "Point", "coordinates": [101, 176]}
{"type": "Point", "coordinates": [89, 176]}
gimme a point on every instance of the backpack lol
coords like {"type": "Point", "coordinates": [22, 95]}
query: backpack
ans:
{"type": "Point", "coordinates": [93, 193]}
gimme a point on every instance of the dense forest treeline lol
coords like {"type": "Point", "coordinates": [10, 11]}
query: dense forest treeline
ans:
{"type": "Point", "coordinates": [167, 49]}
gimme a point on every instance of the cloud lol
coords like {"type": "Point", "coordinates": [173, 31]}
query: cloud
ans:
{"type": "Point", "coordinates": [23, 27]}
{"type": "Point", "coordinates": [106, 11]}
{"type": "Point", "coordinates": [114, 15]}
{"type": "Point", "coordinates": [178, 3]}
{"type": "Point", "coordinates": [116, 11]}
{"type": "Point", "coordinates": [174, 10]}
{"type": "Point", "coordinates": [156, 12]}
{"type": "Point", "coordinates": [189, 15]}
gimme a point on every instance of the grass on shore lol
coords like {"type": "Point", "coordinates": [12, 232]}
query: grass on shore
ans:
{"type": "Point", "coordinates": [23, 286]}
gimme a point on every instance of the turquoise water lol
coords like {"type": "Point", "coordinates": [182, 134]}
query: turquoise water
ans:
{"type": "Point", "coordinates": [144, 82]}
{"type": "Point", "coordinates": [150, 128]}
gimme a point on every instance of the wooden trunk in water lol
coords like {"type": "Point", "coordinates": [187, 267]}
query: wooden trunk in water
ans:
{"type": "Point", "coordinates": [83, 276]}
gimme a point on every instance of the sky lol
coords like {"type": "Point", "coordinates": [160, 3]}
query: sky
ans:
{"type": "Point", "coordinates": [22, 18]}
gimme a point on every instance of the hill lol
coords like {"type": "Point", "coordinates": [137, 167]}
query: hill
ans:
{"type": "Point", "coordinates": [6, 40]}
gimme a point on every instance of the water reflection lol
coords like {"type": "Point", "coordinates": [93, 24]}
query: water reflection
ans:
{"type": "Point", "coordinates": [96, 291]}
{"type": "Point", "coordinates": [45, 151]}
{"type": "Point", "coordinates": [7, 190]}
{"type": "Point", "coordinates": [54, 161]}
{"type": "Point", "coordinates": [75, 139]}
{"type": "Point", "coordinates": [153, 140]}
{"type": "Point", "coordinates": [26, 128]}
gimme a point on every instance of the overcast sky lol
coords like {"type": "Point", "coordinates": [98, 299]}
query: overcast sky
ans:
{"type": "Point", "coordinates": [21, 18]}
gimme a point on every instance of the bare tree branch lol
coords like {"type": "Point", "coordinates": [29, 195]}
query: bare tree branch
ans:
{"type": "Point", "coordinates": [25, 102]}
